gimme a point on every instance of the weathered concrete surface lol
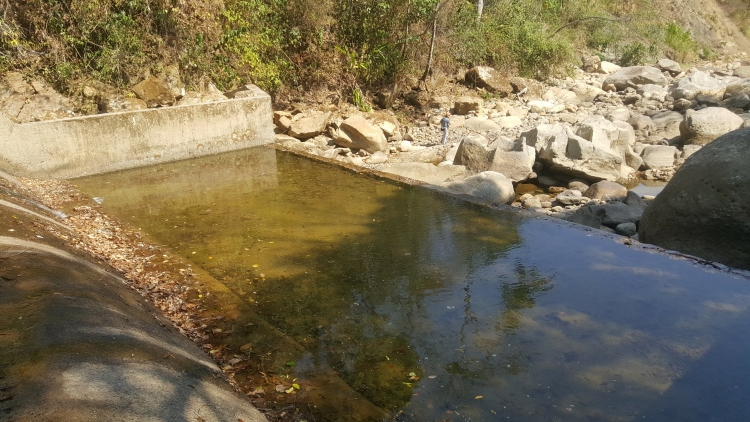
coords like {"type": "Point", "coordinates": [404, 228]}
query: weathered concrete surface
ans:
{"type": "Point", "coordinates": [83, 146]}
{"type": "Point", "coordinates": [77, 345]}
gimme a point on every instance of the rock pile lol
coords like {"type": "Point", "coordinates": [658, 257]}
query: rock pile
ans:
{"type": "Point", "coordinates": [607, 124]}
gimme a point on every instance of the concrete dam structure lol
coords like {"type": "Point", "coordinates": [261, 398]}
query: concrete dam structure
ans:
{"type": "Point", "coordinates": [81, 146]}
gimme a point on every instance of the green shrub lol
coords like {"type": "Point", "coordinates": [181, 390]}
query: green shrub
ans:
{"type": "Point", "coordinates": [680, 41]}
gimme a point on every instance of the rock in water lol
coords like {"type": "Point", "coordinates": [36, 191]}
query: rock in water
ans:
{"type": "Point", "coordinates": [703, 211]}
{"type": "Point", "coordinates": [489, 186]}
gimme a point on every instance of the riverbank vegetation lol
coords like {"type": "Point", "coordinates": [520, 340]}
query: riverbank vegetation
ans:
{"type": "Point", "coordinates": [281, 44]}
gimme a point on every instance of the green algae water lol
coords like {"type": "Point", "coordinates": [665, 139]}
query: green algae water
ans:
{"type": "Point", "coordinates": [435, 309]}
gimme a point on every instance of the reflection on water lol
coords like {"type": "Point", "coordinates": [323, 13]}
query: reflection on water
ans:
{"type": "Point", "coordinates": [446, 311]}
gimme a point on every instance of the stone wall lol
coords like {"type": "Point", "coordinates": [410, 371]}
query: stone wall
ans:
{"type": "Point", "coordinates": [76, 147]}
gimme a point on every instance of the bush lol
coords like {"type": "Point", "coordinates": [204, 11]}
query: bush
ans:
{"type": "Point", "coordinates": [681, 43]}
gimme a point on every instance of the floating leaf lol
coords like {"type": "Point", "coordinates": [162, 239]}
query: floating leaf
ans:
{"type": "Point", "coordinates": [291, 363]}
{"type": "Point", "coordinates": [412, 374]}
{"type": "Point", "coordinates": [478, 397]}
{"type": "Point", "coordinates": [296, 386]}
{"type": "Point", "coordinates": [432, 376]}
{"type": "Point", "coordinates": [290, 390]}
{"type": "Point", "coordinates": [408, 384]}
{"type": "Point", "coordinates": [256, 265]}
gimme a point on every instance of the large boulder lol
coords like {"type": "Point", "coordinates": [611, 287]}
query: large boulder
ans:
{"type": "Point", "coordinates": [703, 210]}
{"type": "Point", "coordinates": [703, 126]}
{"type": "Point", "coordinates": [515, 165]}
{"type": "Point", "coordinates": [30, 102]}
{"type": "Point", "coordinates": [616, 213]}
{"type": "Point", "coordinates": [473, 153]}
{"type": "Point", "coordinates": [561, 95]}
{"type": "Point", "coordinates": [489, 186]}
{"type": "Point", "coordinates": [489, 79]}
{"type": "Point", "coordinates": [585, 92]}
{"type": "Point", "coordinates": [698, 84]}
{"type": "Point", "coordinates": [567, 154]}
{"type": "Point", "coordinates": [598, 130]}
{"type": "Point", "coordinates": [607, 68]}
{"type": "Point", "coordinates": [670, 66]}
{"type": "Point", "coordinates": [464, 105]}
{"type": "Point", "coordinates": [658, 156]}
{"type": "Point", "coordinates": [742, 72]}
{"type": "Point", "coordinates": [357, 133]}
{"type": "Point", "coordinates": [633, 77]}
{"type": "Point", "coordinates": [738, 87]}
{"type": "Point", "coordinates": [623, 144]}
{"type": "Point", "coordinates": [156, 92]}
{"type": "Point", "coordinates": [306, 126]}
{"type": "Point", "coordinates": [481, 124]}
{"type": "Point", "coordinates": [606, 188]}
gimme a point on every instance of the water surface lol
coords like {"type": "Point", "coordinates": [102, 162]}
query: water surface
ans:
{"type": "Point", "coordinates": [435, 309]}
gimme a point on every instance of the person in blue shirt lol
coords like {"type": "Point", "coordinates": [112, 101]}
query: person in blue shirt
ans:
{"type": "Point", "coordinates": [445, 123]}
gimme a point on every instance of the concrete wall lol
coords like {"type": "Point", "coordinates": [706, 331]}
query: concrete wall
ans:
{"type": "Point", "coordinates": [83, 146]}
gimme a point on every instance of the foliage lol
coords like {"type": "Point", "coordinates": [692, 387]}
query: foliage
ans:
{"type": "Point", "coordinates": [680, 41]}
{"type": "Point", "coordinates": [302, 43]}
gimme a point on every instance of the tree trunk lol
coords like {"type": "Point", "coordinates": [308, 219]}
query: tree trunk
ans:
{"type": "Point", "coordinates": [432, 42]}
{"type": "Point", "coordinates": [480, 9]}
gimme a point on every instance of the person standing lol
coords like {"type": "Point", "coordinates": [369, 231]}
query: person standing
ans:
{"type": "Point", "coordinates": [445, 123]}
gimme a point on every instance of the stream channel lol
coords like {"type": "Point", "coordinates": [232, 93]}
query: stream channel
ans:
{"type": "Point", "coordinates": [433, 308]}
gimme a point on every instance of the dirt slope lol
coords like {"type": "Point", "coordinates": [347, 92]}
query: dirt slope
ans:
{"type": "Point", "coordinates": [710, 21]}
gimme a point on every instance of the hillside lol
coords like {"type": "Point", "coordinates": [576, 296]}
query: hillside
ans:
{"type": "Point", "coordinates": [90, 50]}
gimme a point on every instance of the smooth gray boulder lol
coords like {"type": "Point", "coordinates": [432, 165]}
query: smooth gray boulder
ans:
{"type": "Point", "coordinates": [473, 153]}
{"type": "Point", "coordinates": [633, 77]}
{"type": "Point", "coordinates": [739, 87]}
{"type": "Point", "coordinates": [670, 66]}
{"type": "Point", "coordinates": [703, 210]}
{"type": "Point", "coordinates": [616, 213]}
{"type": "Point", "coordinates": [699, 83]}
{"type": "Point", "coordinates": [489, 186]}
{"type": "Point", "coordinates": [605, 187]}
{"type": "Point", "coordinates": [515, 165]}
{"type": "Point", "coordinates": [481, 124]}
{"type": "Point", "coordinates": [626, 229]}
{"type": "Point", "coordinates": [658, 156]}
{"type": "Point", "coordinates": [703, 126]}
{"type": "Point", "coordinates": [585, 92]}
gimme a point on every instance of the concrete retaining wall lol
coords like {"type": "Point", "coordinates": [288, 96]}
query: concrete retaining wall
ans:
{"type": "Point", "coordinates": [83, 146]}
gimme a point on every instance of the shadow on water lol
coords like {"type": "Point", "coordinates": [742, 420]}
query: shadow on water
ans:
{"type": "Point", "coordinates": [432, 307]}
